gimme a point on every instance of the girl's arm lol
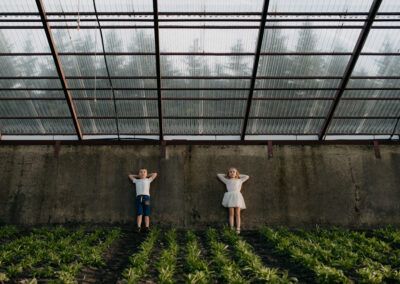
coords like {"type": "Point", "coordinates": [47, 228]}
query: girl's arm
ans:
{"type": "Point", "coordinates": [243, 178]}
{"type": "Point", "coordinates": [222, 178]}
{"type": "Point", "coordinates": [153, 176]}
{"type": "Point", "coordinates": [131, 177]}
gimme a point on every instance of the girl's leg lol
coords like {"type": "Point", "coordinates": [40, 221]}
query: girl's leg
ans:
{"type": "Point", "coordinates": [231, 216]}
{"type": "Point", "coordinates": [237, 215]}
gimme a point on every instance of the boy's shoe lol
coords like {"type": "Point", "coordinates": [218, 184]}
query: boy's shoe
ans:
{"type": "Point", "coordinates": [138, 230]}
{"type": "Point", "coordinates": [147, 229]}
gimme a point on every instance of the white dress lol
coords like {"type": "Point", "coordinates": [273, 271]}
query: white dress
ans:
{"type": "Point", "coordinates": [233, 197]}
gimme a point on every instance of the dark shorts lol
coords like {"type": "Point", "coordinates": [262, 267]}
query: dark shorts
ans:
{"type": "Point", "coordinates": [143, 205]}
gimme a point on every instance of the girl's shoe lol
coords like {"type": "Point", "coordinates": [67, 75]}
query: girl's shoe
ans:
{"type": "Point", "coordinates": [237, 231]}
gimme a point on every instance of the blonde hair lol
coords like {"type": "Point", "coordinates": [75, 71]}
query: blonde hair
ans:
{"type": "Point", "coordinates": [237, 173]}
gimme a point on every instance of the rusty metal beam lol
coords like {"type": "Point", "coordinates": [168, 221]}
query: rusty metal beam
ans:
{"type": "Point", "coordinates": [351, 64]}
{"type": "Point", "coordinates": [57, 63]}
{"type": "Point", "coordinates": [255, 67]}
{"type": "Point", "coordinates": [158, 68]}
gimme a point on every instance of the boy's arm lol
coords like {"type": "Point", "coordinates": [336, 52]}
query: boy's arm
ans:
{"type": "Point", "coordinates": [153, 176]}
{"type": "Point", "coordinates": [131, 177]}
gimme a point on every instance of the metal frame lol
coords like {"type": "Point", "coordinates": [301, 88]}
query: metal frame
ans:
{"type": "Point", "coordinates": [350, 65]}
{"type": "Point", "coordinates": [158, 67]}
{"type": "Point", "coordinates": [154, 23]}
{"type": "Point", "coordinates": [255, 67]}
{"type": "Point", "coordinates": [57, 62]}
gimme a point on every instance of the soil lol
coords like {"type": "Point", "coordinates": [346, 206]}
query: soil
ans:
{"type": "Point", "coordinates": [116, 258]}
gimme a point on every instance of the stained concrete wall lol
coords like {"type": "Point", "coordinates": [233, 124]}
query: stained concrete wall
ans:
{"type": "Point", "coordinates": [300, 186]}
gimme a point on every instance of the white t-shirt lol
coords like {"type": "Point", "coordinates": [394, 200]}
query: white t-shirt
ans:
{"type": "Point", "coordinates": [142, 185]}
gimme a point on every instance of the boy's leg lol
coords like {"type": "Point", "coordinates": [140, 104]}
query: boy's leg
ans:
{"type": "Point", "coordinates": [139, 220]}
{"type": "Point", "coordinates": [146, 210]}
{"type": "Point", "coordinates": [231, 216]}
{"type": "Point", "coordinates": [139, 212]}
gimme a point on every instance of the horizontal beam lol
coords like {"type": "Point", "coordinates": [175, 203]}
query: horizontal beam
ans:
{"type": "Point", "coordinates": [200, 99]}
{"type": "Point", "coordinates": [197, 117]}
{"type": "Point", "coordinates": [198, 77]}
{"type": "Point", "coordinates": [199, 14]}
{"type": "Point", "coordinates": [194, 20]}
{"type": "Point", "coordinates": [199, 89]}
{"type": "Point", "coordinates": [199, 54]}
{"type": "Point", "coordinates": [224, 27]}
{"type": "Point", "coordinates": [200, 142]}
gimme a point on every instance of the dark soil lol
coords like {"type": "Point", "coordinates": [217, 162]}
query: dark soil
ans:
{"type": "Point", "coordinates": [271, 258]}
{"type": "Point", "coordinates": [116, 258]}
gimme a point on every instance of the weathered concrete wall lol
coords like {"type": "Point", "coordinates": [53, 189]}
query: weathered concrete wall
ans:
{"type": "Point", "coordinates": [300, 186]}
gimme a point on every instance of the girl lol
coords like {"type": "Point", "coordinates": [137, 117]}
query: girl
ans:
{"type": "Point", "coordinates": [233, 199]}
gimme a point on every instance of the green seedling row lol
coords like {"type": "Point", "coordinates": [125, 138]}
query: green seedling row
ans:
{"type": "Point", "coordinates": [251, 262]}
{"type": "Point", "coordinates": [54, 254]}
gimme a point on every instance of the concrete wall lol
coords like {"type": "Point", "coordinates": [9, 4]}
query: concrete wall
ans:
{"type": "Point", "coordinates": [300, 186]}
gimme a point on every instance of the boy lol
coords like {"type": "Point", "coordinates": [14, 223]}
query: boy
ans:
{"type": "Point", "coordinates": [142, 181]}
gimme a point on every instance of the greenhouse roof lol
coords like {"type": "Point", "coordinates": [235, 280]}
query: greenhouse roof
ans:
{"type": "Point", "coordinates": [199, 70]}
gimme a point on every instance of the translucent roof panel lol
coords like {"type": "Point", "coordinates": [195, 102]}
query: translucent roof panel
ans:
{"type": "Point", "coordinates": [142, 108]}
{"type": "Point", "coordinates": [134, 83]}
{"type": "Point", "coordinates": [309, 40]}
{"type": "Point", "coordinates": [377, 66]}
{"type": "Point", "coordinates": [136, 94]}
{"type": "Point", "coordinates": [371, 94]}
{"type": "Point", "coordinates": [368, 108]}
{"type": "Point", "coordinates": [37, 126]}
{"type": "Point", "coordinates": [191, 65]}
{"type": "Point", "coordinates": [206, 83]}
{"type": "Point", "coordinates": [138, 126]}
{"type": "Point", "coordinates": [381, 40]}
{"type": "Point", "coordinates": [68, 6]}
{"type": "Point", "coordinates": [83, 65]}
{"type": "Point", "coordinates": [202, 126]}
{"type": "Point", "coordinates": [124, 6]}
{"type": "Point", "coordinates": [143, 65]}
{"type": "Point", "coordinates": [297, 83]}
{"type": "Point", "coordinates": [204, 108]}
{"type": "Point", "coordinates": [373, 83]}
{"type": "Point", "coordinates": [208, 40]}
{"type": "Point", "coordinates": [207, 55]}
{"type": "Point", "coordinates": [98, 126]}
{"type": "Point", "coordinates": [31, 94]}
{"type": "Point", "coordinates": [294, 94]}
{"type": "Point", "coordinates": [73, 40]}
{"type": "Point", "coordinates": [289, 108]}
{"type": "Point", "coordinates": [26, 41]}
{"type": "Point", "coordinates": [20, 84]}
{"type": "Point", "coordinates": [205, 94]}
{"type": "Point", "coordinates": [338, 6]}
{"type": "Point", "coordinates": [128, 40]}
{"type": "Point", "coordinates": [361, 126]}
{"type": "Point", "coordinates": [26, 6]}
{"type": "Point", "coordinates": [27, 66]}
{"type": "Point", "coordinates": [21, 108]}
{"type": "Point", "coordinates": [199, 6]}
{"type": "Point", "coordinates": [389, 6]}
{"type": "Point", "coordinates": [283, 126]}
{"type": "Point", "coordinates": [286, 66]}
